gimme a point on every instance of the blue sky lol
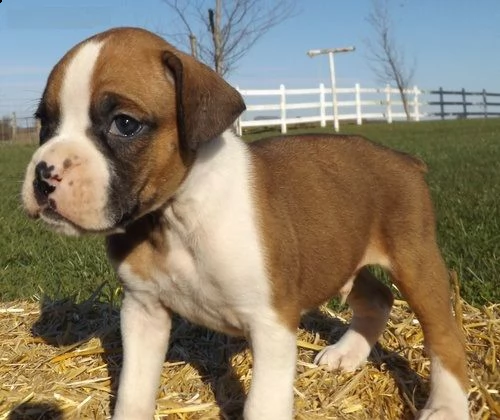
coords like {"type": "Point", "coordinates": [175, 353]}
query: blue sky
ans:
{"type": "Point", "coordinates": [454, 43]}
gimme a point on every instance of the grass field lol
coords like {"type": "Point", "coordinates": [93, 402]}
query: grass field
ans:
{"type": "Point", "coordinates": [464, 177]}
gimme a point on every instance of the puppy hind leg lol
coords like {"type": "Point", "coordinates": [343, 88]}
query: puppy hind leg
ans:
{"type": "Point", "coordinates": [426, 288]}
{"type": "Point", "coordinates": [371, 302]}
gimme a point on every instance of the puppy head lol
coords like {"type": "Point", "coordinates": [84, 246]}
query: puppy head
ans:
{"type": "Point", "coordinates": [122, 116]}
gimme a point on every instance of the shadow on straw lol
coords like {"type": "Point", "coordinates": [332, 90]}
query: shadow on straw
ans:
{"type": "Point", "coordinates": [36, 411]}
{"type": "Point", "coordinates": [210, 354]}
{"type": "Point", "coordinates": [64, 323]}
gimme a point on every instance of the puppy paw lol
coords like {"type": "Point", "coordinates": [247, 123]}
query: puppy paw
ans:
{"type": "Point", "coordinates": [349, 353]}
{"type": "Point", "coordinates": [442, 413]}
{"type": "Point", "coordinates": [448, 400]}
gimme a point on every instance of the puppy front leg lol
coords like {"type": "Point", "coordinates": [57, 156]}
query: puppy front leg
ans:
{"type": "Point", "coordinates": [145, 328]}
{"type": "Point", "coordinates": [274, 351]}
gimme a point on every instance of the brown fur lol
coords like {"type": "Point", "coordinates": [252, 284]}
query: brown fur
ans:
{"type": "Point", "coordinates": [325, 202]}
{"type": "Point", "coordinates": [371, 302]}
{"type": "Point", "coordinates": [129, 76]}
{"type": "Point", "coordinates": [143, 246]}
{"type": "Point", "coordinates": [141, 69]}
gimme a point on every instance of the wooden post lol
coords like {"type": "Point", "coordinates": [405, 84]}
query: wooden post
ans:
{"type": "Point", "coordinates": [322, 105]}
{"type": "Point", "coordinates": [464, 102]}
{"type": "Point", "coordinates": [441, 102]}
{"type": "Point", "coordinates": [485, 104]}
{"type": "Point", "coordinates": [237, 123]}
{"type": "Point", "coordinates": [283, 108]}
{"type": "Point", "coordinates": [416, 105]}
{"type": "Point", "coordinates": [335, 110]}
{"type": "Point", "coordinates": [14, 126]}
{"type": "Point", "coordinates": [194, 45]}
{"type": "Point", "coordinates": [38, 127]}
{"type": "Point", "coordinates": [359, 115]}
{"type": "Point", "coordinates": [388, 103]}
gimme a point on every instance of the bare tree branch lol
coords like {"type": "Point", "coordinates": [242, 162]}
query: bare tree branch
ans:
{"type": "Point", "coordinates": [230, 30]}
{"type": "Point", "coordinates": [387, 59]}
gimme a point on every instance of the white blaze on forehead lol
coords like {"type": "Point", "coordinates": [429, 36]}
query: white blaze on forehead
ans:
{"type": "Point", "coordinates": [76, 88]}
{"type": "Point", "coordinates": [82, 192]}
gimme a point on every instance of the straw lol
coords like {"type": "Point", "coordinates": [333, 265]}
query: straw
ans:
{"type": "Point", "coordinates": [60, 360]}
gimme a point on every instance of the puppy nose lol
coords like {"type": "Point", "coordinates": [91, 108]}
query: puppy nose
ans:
{"type": "Point", "coordinates": [43, 172]}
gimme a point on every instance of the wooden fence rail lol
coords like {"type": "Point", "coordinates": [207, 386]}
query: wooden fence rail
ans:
{"type": "Point", "coordinates": [281, 107]}
{"type": "Point", "coordinates": [462, 107]}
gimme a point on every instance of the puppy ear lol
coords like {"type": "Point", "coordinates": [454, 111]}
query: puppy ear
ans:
{"type": "Point", "coordinates": [206, 103]}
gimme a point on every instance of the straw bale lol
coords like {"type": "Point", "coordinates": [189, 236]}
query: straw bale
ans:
{"type": "Point", "coordinates": [60, 360]}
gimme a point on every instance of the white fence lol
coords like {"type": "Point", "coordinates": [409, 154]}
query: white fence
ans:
{"type": "Point", "coordinates": [282, 107]}
{"type": "Point", "coordinates": [354, 104]}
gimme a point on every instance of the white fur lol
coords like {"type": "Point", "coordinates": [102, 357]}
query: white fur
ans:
{"type": "Point", "coordinates": [145, 327]}
{"type": "Point", "coordinates": [274, 353]}
{"type": "Point", "coordinates": [81, 193]}
{"type": "Point", "coordinates": [76, 90]}
{"type": "Point", "coordinates": [349, 353]}
{"type": "Point", "coordinates": [448, 400]}
{"type": "Point", "coordinates": [215, 275]}
{"type": "Point", "coordinates": [373, 256]}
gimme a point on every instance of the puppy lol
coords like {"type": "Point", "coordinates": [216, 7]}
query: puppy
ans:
{"type": "Point", "coordinates": [135, 145]}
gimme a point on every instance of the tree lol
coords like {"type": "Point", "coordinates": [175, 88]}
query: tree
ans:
{"type": "Point", "coordinates": [387, 58]}
{"type": "Point", "coordinates": [227, 30]}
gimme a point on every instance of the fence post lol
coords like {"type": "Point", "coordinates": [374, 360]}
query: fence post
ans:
{"type": "Point", "coordinates": [38, 127]}
{"type": "Point", "coordinates": [388, 103]}
{"type": "Point", "coordinates": [322, 111]}
{"type": "Point", "coordinates": [14, 126]}
{"type": "Point", "coordinates": [283, 108]}
{"type": "Point", "coordinates": [237, 127]}
{"type": "Point", "coordinates": [416, 104]}
{"type": "Point", "coordinates": [485, 104]}
{"type": "Point", "coordinates": [464, 102]}
{"type": "Point", "coordinates": [441, 102]}
{"type": "Point", "coordinates": [359, 115]}
{"type": "Point", "coordinates": [237, 123]}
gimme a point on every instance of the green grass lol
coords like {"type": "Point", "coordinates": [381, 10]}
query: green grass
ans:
{"type": "Point", "coordinates": [34, 260]}
{"type": "Point", "coordinates": [464, 177]}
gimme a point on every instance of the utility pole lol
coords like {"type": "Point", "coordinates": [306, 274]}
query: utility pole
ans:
{"type": "Point", "coordinates": [331, 52]}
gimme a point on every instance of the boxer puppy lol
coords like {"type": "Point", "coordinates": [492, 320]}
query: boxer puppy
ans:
{"type": "Point", "coordinates": [135, 144]}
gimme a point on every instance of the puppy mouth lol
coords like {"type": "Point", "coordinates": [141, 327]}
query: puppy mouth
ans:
{"type": "Point", "coordinates": [52, 215]}
{"type": "Point", "coordinates": [62, 224]}
{"type": "Point", "coordinates": [113, 219]}
{"type": "Point", "coordinates": [58, 222]}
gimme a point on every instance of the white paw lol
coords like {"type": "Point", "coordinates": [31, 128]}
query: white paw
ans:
{"type": "Point", "coordinates": [448, 401]}
{"type": "Point", "coordinates": [442, 413]}
{"type": "Point", "coordinates": [349, 353]}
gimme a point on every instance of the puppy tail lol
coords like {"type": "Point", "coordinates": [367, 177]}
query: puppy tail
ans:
{"type": "Point", "coordinates": [416, 162]}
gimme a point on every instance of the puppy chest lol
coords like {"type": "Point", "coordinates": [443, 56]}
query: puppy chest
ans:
{"type": "Point", "coordinates": [182, 280]}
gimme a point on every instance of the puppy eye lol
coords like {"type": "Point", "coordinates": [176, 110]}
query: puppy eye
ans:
{"type": "Point", "coordinates": [124, 126]}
